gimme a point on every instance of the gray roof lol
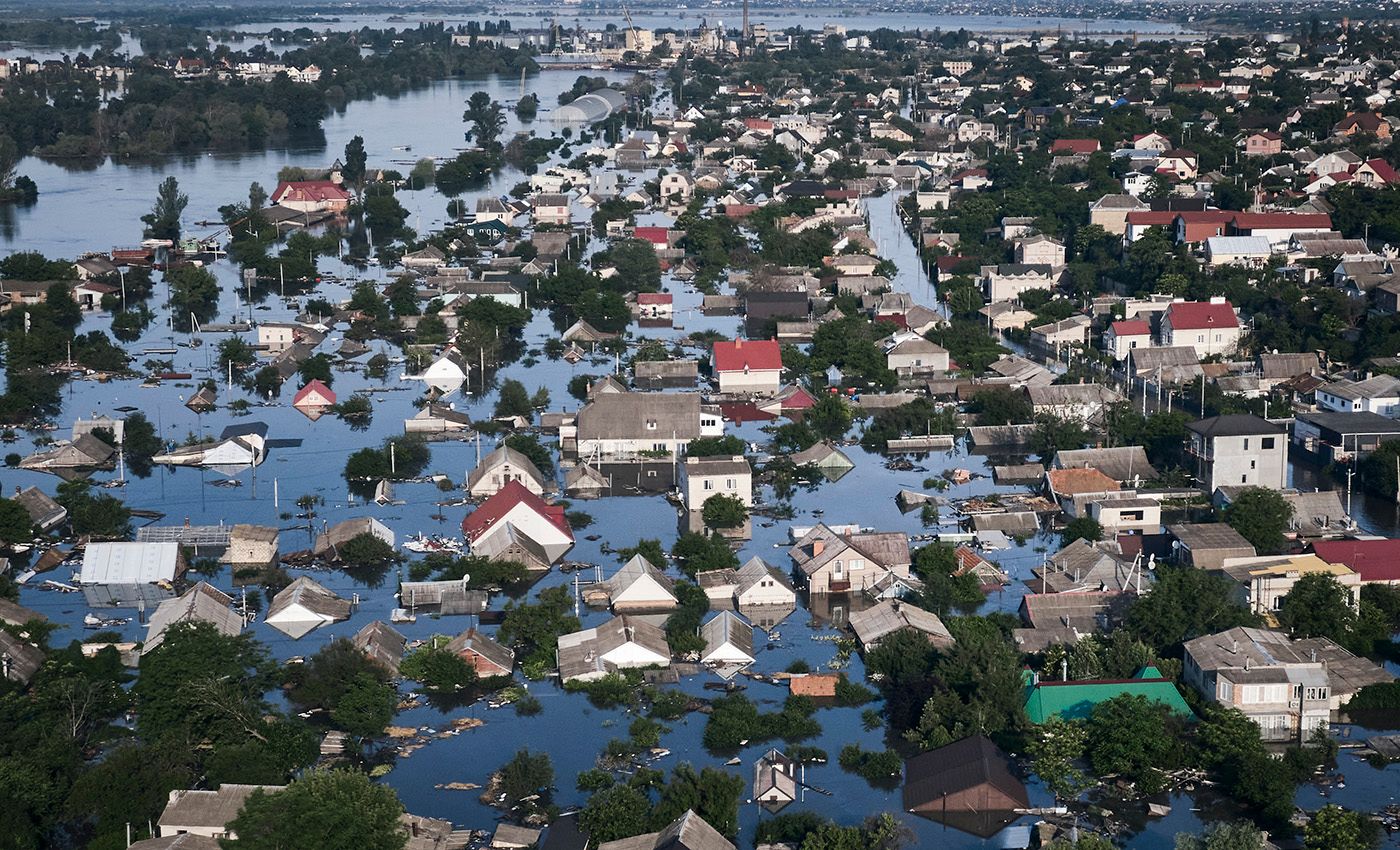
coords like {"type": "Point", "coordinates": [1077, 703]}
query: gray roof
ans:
{"type": "Point", "coordinates": [1235, 425]}
{"type": "Point", "coordinates": [202, 603]}
{"type": "Point", "coordinates": [474, 641]}
{"type": "Point", "coordinates": [726, 627]}
{"type": "Point", "coordinates": [1056, 394]}
{"type": "Point", "coordinates": [634, 571]}
{"type": "Point", "coordinates": [1121, 463]}
{"type": "Point", "coordinates": [208, 809]}
{"type": "Point", "coordinates": [42, 510]}
{"type": "Point", "coordinates": [581, 653]}
{"type": "Point", "coordinates": [687, 832]}
{"type": "Point", "coordinates": [15, 614]}
{"type": "Point", "coordinates": [1083, 565]}
{"type": "Point", "coordinates": [1351, 422]}
{"type": "Point", "coordinates": [1246, 649]}
{"type": "Point", "coordinates": [1205, 536]}
{"type": "Point", "coordinates": [382, 643]}
{"type": "Point", "coordinates": [504, 454]}
{"type": "Point", "coordinates": [629, 415]}
{"type": "Point", "coordinates": [23, 659]}
{"type": "Point", "coordinates": [311, 595]}
{"type": "Point", "coordinates": [891, 615]}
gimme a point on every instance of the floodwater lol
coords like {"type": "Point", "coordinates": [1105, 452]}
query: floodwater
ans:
{"type": "Point", "coordinates": [97, 209]}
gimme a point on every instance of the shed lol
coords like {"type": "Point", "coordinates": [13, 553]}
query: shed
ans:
{"type": "Point", "coordinates": [968, 785]}
{"type": "Point", "coordinates": [728, 644]}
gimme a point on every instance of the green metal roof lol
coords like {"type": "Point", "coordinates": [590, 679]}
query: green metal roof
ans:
{"type": "Point", "coordinates": [1076, 700]}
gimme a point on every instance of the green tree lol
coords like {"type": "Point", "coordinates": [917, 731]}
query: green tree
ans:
{"type": "Point", "coordinates": [1132, 737]}
{"type": "Point", "coordinates": [526, 774]}
{"type": "Point", "coordinates": [1054, 749]}
{"type": "Point", "coordinates": [711, 793]}
{"type": "Point", "coordinates": [1081, 528]}
{"type": "Point", "coordinates": [352, 169]}
{"type": "Point", "coordinates": [1318, 606]}
{"type": "Point", "coordinates": [830, 417]}
{"type": "Point", "coordinates": [193, 290]}
{"type": "Point", "coordinates": [724, 511]}
{"type": "Point", "coordinates": [438, 668]}
{"type": "Point", "coordinates": [486, 118]}
{"type": "Point", "coordinates": [366, 550]}
{"type": "Point", "coordinates": [323, 808]}
{"type": "Point", "coordinates": [1232, 835]}
{"type": "Point", "coordinates": [1260, 516]}
{"type": "Point", "coordinates": [1001, 406]}
{"type": "Point", "coordinates": [163, 221]}
{"type": "Point", "coordinates": [1185, 603]}
{"type": "Point", "coordinates": [637, 266]}
{"type": "Point", "coordinates": [616, 812]}
{"type": "Point", "coordinates": [15, 524]}
{"type": "Point", "coordinates": [366, 707]}
{"type": "Point", "coordinates": [1335, 828]}
{"type": "Point", "coordinates": [726, 446]}
{"type": "Point", "coordinates": [514, 400]}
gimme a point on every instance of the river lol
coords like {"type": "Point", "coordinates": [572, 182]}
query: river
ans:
{"type": "Point", "coordinates": [99, 208]}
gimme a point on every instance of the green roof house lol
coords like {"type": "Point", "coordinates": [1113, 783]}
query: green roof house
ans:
{"type": "Point", "coordinates": [1075, 700]}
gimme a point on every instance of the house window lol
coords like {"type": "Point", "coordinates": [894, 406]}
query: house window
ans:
{"type": "Point", "coordinates": [1246, 444]}
{"type": "Point", "coordinates": [1131, 516]}
{"type": "Point", "coordinates": [1252, 465]}
{"type": "Point", "coordinates": [1200, 337]}
{"type": "Point", "coordinates": [838, 570]}
{"type": "Point", "coordinates": [1266, 443]}
{"type": "Point", "coordinates": [651, 424]}
{"type": "Point", "coordinates": [857, 565]}
{"type": "Point", "coordinates": [1132, 344]}
{"type": "Point", "coordinates": [709, 485]}
{"type": "Point", "coordinates": [729, 484]}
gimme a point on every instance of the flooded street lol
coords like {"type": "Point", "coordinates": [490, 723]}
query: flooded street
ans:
{"type": "Point", "coordinates": [98, 209]}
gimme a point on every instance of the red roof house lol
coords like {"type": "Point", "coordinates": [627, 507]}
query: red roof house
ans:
{"type": "Point", "coordinates": [1074, 146]}
{"type": "Point", "coordinates": [515, 515]}
{"type": "Point", "coordinates": [1199, 315]}
{"type": "Point", "coordinates": [311, 196]}
{"type": "Point", "coordinates": [1278, 224]}
{"type": "Point", "coordinates": [659, 237]}
{"type": "Point", "coordinates": [314, 394]}
{"type": "Point", "coordinates": [1195, 226]}
{"type": "Point", "coordinates": [754, 365]}
{"type": "Point", "coordinates": [1376, 561]}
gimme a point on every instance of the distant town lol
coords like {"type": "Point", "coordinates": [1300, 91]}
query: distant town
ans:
{"type": "Point", "coordinates": [774, 427]}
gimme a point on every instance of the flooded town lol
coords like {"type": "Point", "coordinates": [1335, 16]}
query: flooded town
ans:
{"type": "Point", "coordinates": [773, 427]}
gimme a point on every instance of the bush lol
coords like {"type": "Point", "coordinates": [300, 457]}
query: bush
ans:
{"type": "Point", "coordinates": [881, 768]}
{"type": "Point", "coordinates": [733, 719]}
{"type": "Point", "coordinates": [437, 668]}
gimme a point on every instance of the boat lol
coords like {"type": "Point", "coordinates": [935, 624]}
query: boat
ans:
{"type": "Point", "coordinates": [435, 543]}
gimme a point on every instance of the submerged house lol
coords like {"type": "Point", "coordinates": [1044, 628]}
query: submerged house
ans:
{"type": "Point", "coordinates": [622, 643]}
{"type": "Point", "coordinates": [502, 466]}
{"type": "Point", "coordinates": [728, 644]}
{"type": "Point", "coordinates": [518, 514]}
{"type": "Point", "coordinates": [487, 657]}
{"type": "Point", "coordinates": [762, 584]}
{"type": "Point", "coordinates": [130, 574]}
{"type": "Point", "coordinates": [202, 603]}
{"type": "Point", "coordinates": [829, 562]}
{"type": "Point", "coordinates": [84, 452]}
{"type": "Point", "coordinates": [968, 785]}
{"type": "Point", "coordinates": [328, 542]}
{"type": "Point", "coordinates": [775, 782]}
{"type": "Point", "coordinates": [383, 644]}
{"type": "Point", "coordinates": [303, 606]}
{"type": "Point", "coordinates": [873, 624]}
{"type": "Point", "coordinates": [640, 586]}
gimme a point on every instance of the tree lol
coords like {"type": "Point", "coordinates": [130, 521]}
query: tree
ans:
{"type": "Point", "coordinates": [1054, 749]}
{"type": "Point", "coordinates": [366, 707]}
{"type": "Point", "coordinates": [438, 668]}
{"type": "Point", "coordinates": [1081, 528]}
{"type": "Point", "coordinates": [257, 197]}
{"type": "Point", "coordinates": [15, 524]}
{"type": "Point", "coordinates": [726, 446]}
{"type": "Point", "coordinates": [324, 808]}
{"type": "Point", "coordinates": [1335, 828]}
{"type": "Point", "coordinates": [193, 291]}
{"type": "Point", "coordinates": [1235, 835]}
{"type": "Point", "coordinates": [1001, 406]}
{"type": "Point", "coordinates": [366, 550]}
{"type": "Point", "coordinates": [163, 221]}
{"type": "Point", "coordinates": [526, 774]}
{"type": "Point", "coordinates": [1261, 517]}
{"type": "Point", "coordinates": [1185, 603]}
{"type": "Point", "coordinates": [616, 812]}
{"type": "Point", "coordinates": [514, 400]}
{"type": "Point", "coordinates": [529, 445]}
{"type": "Point", "coordinates": [352, 168]}
{"type": "Point", "coordinates": [636, 264]}
{"type": "Point", "coordinates": [724, 511]}
{"type": "Point", "coordinates": [1318, 606]}
{"type": "Point", "coordinates": [486, 118]}
{"type": "Point", "coordinates": [711, 793]}
{"type": "Point", "coordinates": [1132, 737]}
{"type": "Point", "coordinates": [830, 417]}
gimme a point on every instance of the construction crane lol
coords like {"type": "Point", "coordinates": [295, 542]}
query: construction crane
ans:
{"type": "Point", "coordinates": [636, 39]}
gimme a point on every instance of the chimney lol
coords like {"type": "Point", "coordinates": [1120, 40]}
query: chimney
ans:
{"type": "Point", "coordinates": [818, 546]}
{"type": "Point", "coordinates": [738, 343]}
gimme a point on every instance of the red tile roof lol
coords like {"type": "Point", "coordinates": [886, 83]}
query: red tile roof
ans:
{"type": "Point", "coordinates": [1383, 170]}
{"type": "Point", "coordinates": [309, 190]}
{"type": "Point", "coordinates": [654, 235]}
{"type": "Point", "coordinates": [753, 355]}
{"type": "Point", "coordinates": [1149, 218]}
{"type": "Point", "coordinates": [1373, 560]}
{"type": "Point", "coordinates": [1196, 315]}
{"type": "Point", "coordinates": [654, 298]}
{"type": "Point", "coordinates": [1271, 221]}
{"type": "Point", "coordinates": [1074, 146]}
{"type": "Point", "coordinates": [503, 502]}
{"type": "Point", "coordinates": [1134, 327]}
{"type": "Point", "coordinates": [314, 386]}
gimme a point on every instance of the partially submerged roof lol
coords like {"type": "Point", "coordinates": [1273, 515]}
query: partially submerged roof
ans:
{"type": "Point", "coordinates": [967, 784]}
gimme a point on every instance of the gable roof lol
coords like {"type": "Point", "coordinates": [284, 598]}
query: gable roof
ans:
{"type": "Point", "coordinates": [747, 356]}
{"type": "Point", "coordinates": [1373, 560]}
{"type": "Point", "coordinates": [479, 521]}
{"type": "Point", "coordinates": [1195, 315]}
{"type": "Point", "coordinates": [481, 644]}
